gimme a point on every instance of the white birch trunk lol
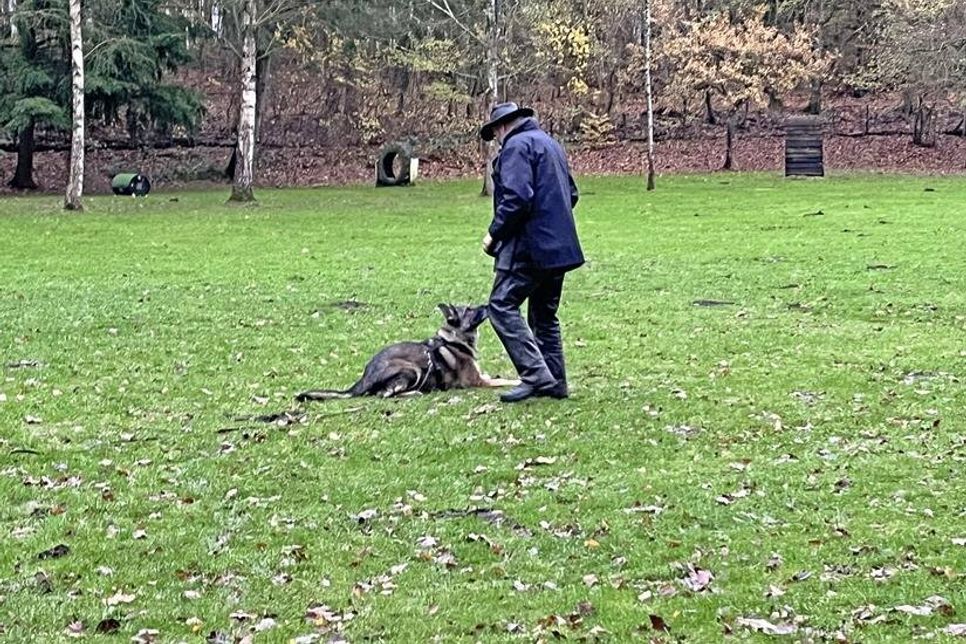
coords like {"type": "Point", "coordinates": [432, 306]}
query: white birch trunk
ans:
{"type": "Point", "coordinates": [245, 168]}
{"type": "Point", "coordinates": [75, 185]}
{"type": "Point", "coordinates": [490, 150]}
{"type": "Point", "coordinates": [10, 7]}
{"type": "Point", "coordinates": [650, 95]}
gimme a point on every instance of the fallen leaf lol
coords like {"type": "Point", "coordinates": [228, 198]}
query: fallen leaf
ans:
{"type": "Point", "coordinates": [427, 542]}
{"type": "Point", "coordinates": [774, 591]}
{"type": "Point", "coordinates": [774, 562]}
{"type": "Point", "coordinates": [484, 409]}
{"type": "Point", "coordinates": [867, 615]}
{"type": "Point", "coordinates": [658, 623]}
{"type": "Point", "coordinates": [265, 624]}
{"type": "Point", "coordinates": [585, 608]}
{"type": "Point", "coordinates": [120, 598]}
{"type": "Point", "coordinates": [446, 559]}
{"type": "Point", "coordinates": [596, 632]}
{"type": "Point", "coordinates": [311, 638]}
{"type": "Point", "coordinates": [107, 626]}
{"type": "Point", "coordinates": [146, 636]}
{"type": "Point", "coordinates": [766, 627]}
{"type": "Point", "coordinates": [365, 515]}
{"type": "Point", "coordinates": [801, 575]}
{"type": "Point", "coordinates": [646, 509]}
{"type": "Point", "coordinates": [931, 605]}
{"type": "Point", "coordinates": [60, 550]}
{"type": "Point", "coordinates": [698, 580]}
{"type": "Point", "coordinates": [955, 629]}
{"type": "Point", "coordinates": [591, 580]}
{"type": "Point", "coordinates": [539, 460]}
{"type": "Point", "coordinates": [74, 629]}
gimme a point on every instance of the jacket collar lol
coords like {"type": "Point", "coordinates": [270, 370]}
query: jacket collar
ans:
{"type": "Point", "coordinates": [526, 125]}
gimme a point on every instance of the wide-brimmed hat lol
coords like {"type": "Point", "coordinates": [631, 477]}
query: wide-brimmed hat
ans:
{"type": "Point", "coordinates": [502, 113]}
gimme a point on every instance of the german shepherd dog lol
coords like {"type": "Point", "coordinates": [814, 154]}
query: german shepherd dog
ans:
{"type": "Point", "coordinates": [445, 361]}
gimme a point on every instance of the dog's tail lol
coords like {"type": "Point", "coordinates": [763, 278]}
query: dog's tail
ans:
{"type": "Point", "coordinates": [330, 394]}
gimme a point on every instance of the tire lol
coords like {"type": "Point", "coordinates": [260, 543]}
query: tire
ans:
{"type": "Point", "coordinates": [384, 172]}
{"type": "Point", "coordinates": [140, 186]}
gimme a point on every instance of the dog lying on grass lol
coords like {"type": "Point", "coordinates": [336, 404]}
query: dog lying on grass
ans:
{"type": "Point", "coordinates": [445, 361]}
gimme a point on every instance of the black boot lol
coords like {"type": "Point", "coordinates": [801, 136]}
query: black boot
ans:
{"type": "Point", "coordinates": [524, 391]}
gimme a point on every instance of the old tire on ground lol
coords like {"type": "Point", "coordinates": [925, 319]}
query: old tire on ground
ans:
{"type": "Point", "coordinates": [385, 175]}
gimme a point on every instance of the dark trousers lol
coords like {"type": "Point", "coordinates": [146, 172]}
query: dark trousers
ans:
{"type": "Point", "coordinates": [534, 345]}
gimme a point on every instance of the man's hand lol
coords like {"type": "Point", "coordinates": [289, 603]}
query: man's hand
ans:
{"type": "Point", "coordinates": [487, 243]}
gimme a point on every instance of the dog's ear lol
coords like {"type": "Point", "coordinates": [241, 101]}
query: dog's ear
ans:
{"type": "Point", "coordinates": [480, 314]}
{"type": "Point", "coordinates": [449, 313]}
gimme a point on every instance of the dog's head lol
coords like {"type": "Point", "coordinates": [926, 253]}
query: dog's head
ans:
{"type": "Point", "coordinates": [462, 322]}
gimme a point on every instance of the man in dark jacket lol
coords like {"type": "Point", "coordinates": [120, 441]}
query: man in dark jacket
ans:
{"type": "Point", "coordinates": [533, 239]}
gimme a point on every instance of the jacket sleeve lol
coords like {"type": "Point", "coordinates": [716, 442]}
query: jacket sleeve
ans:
{"type": "Point", "coordinates": [574, 194]}
{"type": "Point", "coordinates": [516, 202]}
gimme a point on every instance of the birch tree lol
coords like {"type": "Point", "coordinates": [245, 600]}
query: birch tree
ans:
{"type": "Point", "coordinates": [492, 87]}
{"type": "Point", "coordinates": [241, 189]}
{"type": "Point", "coordinates": [250, 19]}
{"type": "Point", "coordinates": [490, 42]}
{"type": "Point", "coordinates": [648, 65]}
{"type": "Point", "coordinates": [75, 184]}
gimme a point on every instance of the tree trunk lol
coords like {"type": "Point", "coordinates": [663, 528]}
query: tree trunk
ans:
{"type": "Point", "coordinates": [23, 176]}
{"type": "Point", "coordinates": [709, 109]}
{"type": "Point", "coordinates": [729, 144]}
{"type": "Point", "coordinates": [490, 150]}
{"type": "Point", "coordinates": [241, 189]}
{"type": "Point", "coordinates": [923, 133]}
{"type": "Point", "coordinates": [133, 127]}
{"type": "Point", "coordinates": [75, 185]}
{"type": "Point", "coordinates": [11, 8]}
{"type": "Point", "coordinates": [263, 70]}
{"type": "Point", "coordinates": [815, 97]}
{"type": "Point", "coordinates": [650, 95]}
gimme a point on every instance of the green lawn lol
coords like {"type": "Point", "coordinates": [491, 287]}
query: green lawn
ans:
{"type": "Point", "coordinates": [804, 443]}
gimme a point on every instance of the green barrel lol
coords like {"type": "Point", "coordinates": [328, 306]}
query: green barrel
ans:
{"type": "Point", "coordinates": [130, 183]}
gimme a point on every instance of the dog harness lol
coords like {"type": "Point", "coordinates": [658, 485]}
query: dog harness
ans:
{"type": "Point", "coordinates": [433, 347]}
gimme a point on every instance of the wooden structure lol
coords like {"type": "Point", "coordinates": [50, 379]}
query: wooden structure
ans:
{"type": "Point", "coordinates": [803, 147]}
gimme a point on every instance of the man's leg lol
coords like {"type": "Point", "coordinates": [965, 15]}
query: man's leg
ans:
{"type": "Point", "coordinates": [542, 317]}
{"type": "Point", "coordinates": [510, 289]}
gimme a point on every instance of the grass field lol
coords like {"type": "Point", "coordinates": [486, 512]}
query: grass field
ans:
{"type": "Point", "coordinates": [784, 457]}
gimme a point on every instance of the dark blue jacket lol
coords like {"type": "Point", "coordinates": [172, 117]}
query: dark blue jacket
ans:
{"type": "Point", "coordinates": [533, 199]}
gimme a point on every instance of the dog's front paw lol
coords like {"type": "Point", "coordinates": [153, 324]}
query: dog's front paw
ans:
{"type": "Point", "coordinates": [499, 382]}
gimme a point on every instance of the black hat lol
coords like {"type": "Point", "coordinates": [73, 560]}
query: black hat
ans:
{"type": "Point", "coordinates": [502, 113]}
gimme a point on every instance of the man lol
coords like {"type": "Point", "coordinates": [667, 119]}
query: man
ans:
{"type": "Point", "coordinates": [533, 239]}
